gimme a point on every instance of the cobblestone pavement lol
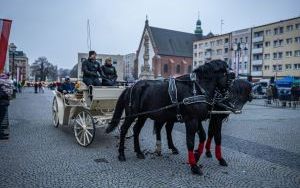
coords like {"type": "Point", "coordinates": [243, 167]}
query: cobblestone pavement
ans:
{"type": "Point", "coordinates": [261, 146]}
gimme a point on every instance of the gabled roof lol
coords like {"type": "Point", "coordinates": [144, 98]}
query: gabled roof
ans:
{"type": "Point", "coordinates": [172, 43]}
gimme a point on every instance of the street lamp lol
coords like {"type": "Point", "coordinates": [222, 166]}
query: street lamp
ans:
{"type": "Point", "coordinates": [12, 48]}
{"type": "Point", "coordinates": [238, 47]}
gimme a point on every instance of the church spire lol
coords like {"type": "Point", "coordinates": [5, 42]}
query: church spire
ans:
{"type": "Point", "coordinates": [198, 30]}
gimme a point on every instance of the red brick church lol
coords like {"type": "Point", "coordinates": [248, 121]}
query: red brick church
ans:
{"type": "Point", "coordinates": [170, 52]}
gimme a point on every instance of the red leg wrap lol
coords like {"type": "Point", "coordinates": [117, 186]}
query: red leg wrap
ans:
{"type": "Point", "coordinates": [192, 160]}
{"type": "Point", "coordinates": [200, 148]}
{"type": "Point", "coordinates": [218, 152]}
{"type": "Point", "coordinates": [207, 146]}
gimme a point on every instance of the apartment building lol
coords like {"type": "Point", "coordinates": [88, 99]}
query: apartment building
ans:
{"type": "Point", "coordinates": [211, 47]}
{"type": "Point", "coordinates": [276, 49]}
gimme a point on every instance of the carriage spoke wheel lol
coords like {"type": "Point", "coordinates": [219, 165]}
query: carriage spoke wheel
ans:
{"type": "Point", "coordinates": [84, 128]}
{"type": "Point", "coordinates": [55, 113]}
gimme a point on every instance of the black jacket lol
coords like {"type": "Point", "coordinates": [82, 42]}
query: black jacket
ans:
{"type": "Point", "coordinates": [108, 72]}
{"type": "Point", "coordinates": [90, 69]}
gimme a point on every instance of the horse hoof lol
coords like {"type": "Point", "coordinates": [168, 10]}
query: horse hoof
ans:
{"type": "Point", "coordinates": [140, 156]}
{"type": "Point", "coordinates": [121, 158]}
{"type": "Point", "coordinates": [196, 170]}
{"type": "Point", "coordinates": [208, 154]}
{"type": "Point", "coordinates": [222, 162]}
{"type": "Point", "coordinates": [175, 151]}
{"type": "Point", "coordinates": [196, 155]}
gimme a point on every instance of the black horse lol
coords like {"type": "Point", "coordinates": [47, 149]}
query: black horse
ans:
{"type": "Point", "coordinates": [150, 95]}
{"type": "Point", "coordinates": [239, 94]}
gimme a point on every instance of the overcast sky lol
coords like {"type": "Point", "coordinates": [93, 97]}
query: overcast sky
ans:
{"type": "Point", "coordinates": [57, 29]}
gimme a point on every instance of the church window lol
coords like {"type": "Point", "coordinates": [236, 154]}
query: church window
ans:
{"type": "Point", "coordinates": [178, 69]}
{"type": "Point", "coordinates": [165, 68]}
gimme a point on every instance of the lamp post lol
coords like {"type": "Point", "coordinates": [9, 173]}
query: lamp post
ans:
{"type": "Point", "coordinates": [238, 47]}
{"type": "Point", "coordinates": [12, 48]}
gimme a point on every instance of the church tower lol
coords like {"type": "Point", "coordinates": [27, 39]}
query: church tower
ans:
{"type": "Point", "coordinates": [198, 30]}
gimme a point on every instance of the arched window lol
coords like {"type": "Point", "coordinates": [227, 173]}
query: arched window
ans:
{"type": "Point", "coordinates": [165, 68]}
{"type": "Point", "coordinates": [190, 69]}
{"type": "Point", "coordinates": [178, 69]}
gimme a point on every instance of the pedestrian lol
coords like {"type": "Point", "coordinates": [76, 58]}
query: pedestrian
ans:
{"type": "Point", "coordinates": [6, 91]}
{"type": "Point", "coordinates": [35, 87]}
{"type": "Point", "coordinates": [269, 94]}
{"type": "Point", "coordinates": [40, 87]}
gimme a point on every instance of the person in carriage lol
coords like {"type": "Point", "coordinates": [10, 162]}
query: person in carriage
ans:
{"type": "Point", "coordinates": [67, 86]}
{"type": "Point", "coordinates": [91, 70]}
{"type": "Point", "coordinates": [108, 73]}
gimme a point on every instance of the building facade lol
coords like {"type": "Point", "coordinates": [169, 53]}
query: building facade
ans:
{"type": "Point", "coordinates": [276, 49]}
{"type": "Point", "coordinates": [18, 64]}
{"type": "Point", "coordinates": [170, 52]}
{"type": "Point", "coordinates": [117, 62]}
{"type": "Point", "coordinates": [211, 47]}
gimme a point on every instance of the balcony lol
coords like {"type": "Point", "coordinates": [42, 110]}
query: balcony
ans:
{"type": "Point", "coordinates": [257, 50]}
{"type": "Point", "coordinates": [258, 39]}
{"type": "Point", "coordinates": [257, 62]}
{"type": "Point", "coordinates": [256, 73]}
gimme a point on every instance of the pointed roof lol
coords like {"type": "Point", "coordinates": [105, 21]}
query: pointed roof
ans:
{"type": "Point", "coordinates": [172, 43]}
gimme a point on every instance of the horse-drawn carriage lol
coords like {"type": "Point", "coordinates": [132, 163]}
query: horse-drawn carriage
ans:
{"type": "Point", "coordinates": [89, 108]}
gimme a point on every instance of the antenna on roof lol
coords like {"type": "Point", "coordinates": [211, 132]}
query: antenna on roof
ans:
{"type": "Point", "coordinates": [222, 23]}
{"type": "Point", "coordinates": [88, 40]}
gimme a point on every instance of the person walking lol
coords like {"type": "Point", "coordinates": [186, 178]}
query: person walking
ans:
{"type": "Point", "coordinates": [269, 94]}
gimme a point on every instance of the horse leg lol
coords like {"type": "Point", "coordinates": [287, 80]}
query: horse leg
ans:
{"type": "Point", "coordinates": [191, 129]}
{"type": "Point", "coordinates": [136, 132]}
{"type": "Point", "coordinates": [169, 128]}
{"type": "Point", "coordinates": [124, 128]}
{"type": "Point", "coordinates": [218, 138]}
{"type": "Point", "coordinates": [202, 138]}
{"type": "Point", "coordinates": [210, 135]}
{"type": "Point", "coordinates": [157, 127]}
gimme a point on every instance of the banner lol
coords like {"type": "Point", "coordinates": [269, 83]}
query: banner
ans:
{"type": "Point", "coordinates": [4, 36]}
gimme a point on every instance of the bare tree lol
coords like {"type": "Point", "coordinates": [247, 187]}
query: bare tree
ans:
{"type": "Point", "coordinates": [42, 69]}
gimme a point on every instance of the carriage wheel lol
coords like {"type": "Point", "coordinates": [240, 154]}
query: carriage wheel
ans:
{"type": "Point", "coordinates": [84, 128]}
{"type": "Point", "coordinates": [55, 112]}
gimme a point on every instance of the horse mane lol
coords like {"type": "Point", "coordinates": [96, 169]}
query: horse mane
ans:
{"type": "Point", "coordinates": [240, 86]}
{"type": "Point", "coordinates": [210, 68]}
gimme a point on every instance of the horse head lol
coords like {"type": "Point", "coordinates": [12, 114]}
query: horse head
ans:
{"type": "Point", "coordinates": [240, 92]}
{"type": "Point", "coordinates": [216, 75]}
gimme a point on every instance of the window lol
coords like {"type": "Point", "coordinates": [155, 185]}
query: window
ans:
{"type": "Point", "coordinates": [289, 41]}
{"type": "Point", "coordinates": [297, 40]}
{"type": "Point", "coordinates": [219, 52]}
{"type": "Point", "coordinates": [297, 66]}
{"type": "Point", "coordinates": [178, 69]}
{"type": "Point", "coordinates": [279, 55]}
{"type": "Point", "coordinates": [276, 31]}
{"type": "Point", "coordinates": [226, 40]}
{"type": "Point", "coordinates": [200, 54]}
{"type": "Point", "coordinates": [274, 55]}
{"type": "Point", "coordinates": [275, 43]}
{"type": "Point", "coordinates": [289, 28]}
{"type": "Point", "coordinates": [297, 53]}
{"type": "Point", "coordinates": [235, 40]}
{"type": "Point", "coordinates": [245, 65]}
{"type": "Point", "coordinates": [280, 30]}
{"type": "Point", "coordinates": [246, 39]}
{"type": "Point", "coordinates": [114, 62]}
{"type": "Point", "coordinates": [241, 39]}
{"type": "Point", "coordinates": [219, 42]}
{"type": "Point", "coordinates": [267, 67]}
{"type": "Point", "coordinates": [288, 66]}
{"type": "Point", "coordinates": [195, 46]}
{"type": "Point", "coordinates": [267, 44]}
{"type": "Point", "coordinates": [225, 50]}
{"type": "Point", "coordinates": [279, 67]}
{"type": "Point", "coordinates": [195, 54]}
{"type": "Point", "coordinates": [195, 64]}
{"type": "Point", "coordinates": [268, 32]}
{"type": "Point", "coordinates": [212, 43]}
{"type": "Point", "coordinates": [280, 42]}
{"type": "Point", "coordinates": [267, 56]}
{"type": "Point", "coordinates": [288, 53]}
{"type": "Point", "coordinates": [200, 45]}
{"type": "Point", "coordinates": [166, 68]}
{"type": "Point", "coordinates": [274, 68]}
{"type": "Point", "coordinates": [189, 69]}
{"type": "Point", "coordinates": [297, 26]}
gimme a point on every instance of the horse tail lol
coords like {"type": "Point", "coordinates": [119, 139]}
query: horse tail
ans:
{"type": "Point", "coordinates": [120, 106]}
